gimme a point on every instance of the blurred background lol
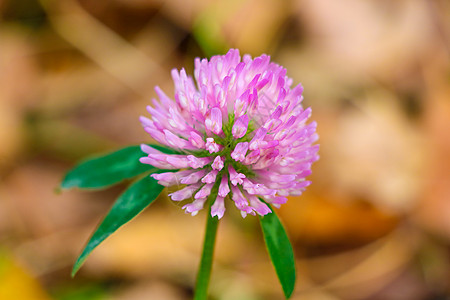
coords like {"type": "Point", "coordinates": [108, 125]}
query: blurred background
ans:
{"type": "Point", "coordinates": [75, 75]}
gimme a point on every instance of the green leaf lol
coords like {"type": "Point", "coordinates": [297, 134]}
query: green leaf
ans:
{"type": "Point", "coordinates": [110, 169]}
{"type": "Point", "coordinates": [135, 199]}
{"type": "Point", "coordinates": [280, 251]}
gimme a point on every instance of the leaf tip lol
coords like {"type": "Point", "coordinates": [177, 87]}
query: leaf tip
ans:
{"type": "Point", "coordinates": [77, 266]}
{"type": "Point", "coordinates": [73, 273]}
{"type": "Point", "coordinates": [289, 290]}
{"type": "Point", "coordinates": [67, 183]}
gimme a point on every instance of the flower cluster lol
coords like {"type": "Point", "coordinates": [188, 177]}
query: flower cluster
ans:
{"type": "Point", "coordinates": [241, 129]}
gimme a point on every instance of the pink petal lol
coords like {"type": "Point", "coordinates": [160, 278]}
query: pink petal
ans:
{"type": "Point", "coordinates": [252, 157]}
{"type": "Point", "coordinates": [156, 163]}
{"type": "Point", "coordinates": [253, 101]}
{"type": "Point", "coordinates": [212, 146]}
{"type": "Point", "coordinates": [277, 113]}
{"type": "Point", "coordinates": [149, 150]}
{"type": "Point", "coordinates": [179, 161]}
{"type": "Point", "coordinates": [272, 125]}
{"type": "Point", "coordinates": [261, 208]}
{"type": "Point", "coordinates": [241, 104]}
{"type": "Point", "coordinates": [240, 151]}
{"type": "Point", "coordinates": [240, 127]}
{"type": "Point", "coordinates": [257, 188]}
{"type": "Point", "coordinates": [275, 199]}
{"type": "Point", "coordinates": [146, 122]}
{"type": "Point", "coordinates": [166, 161]}
{"type": "Point", "coordinates": [194, 206]}
{"type": "Point", "coordinates": [165, 100]}
{"type": "Point", "coordinates": [218, 208]}
{"type": "Point", "coordinates": [218, 163]}
{"type": "Point", "coordinates": [185, 193]}
{"type": "Point", "coordinates": [210, 177]}
{"type": "Point", "coordinates": [204, 191]}
{"type": "Point", "coordinates": [177, 142]}
{"type": "Point", "coordinates": [214, 121]}
{"type": "Point", "coordinates": [270, 144]}
{"type": "Point", "coordinates": [224, 189]}
{"type": "Point", "coordinates": [198, 162]}
{"type": "Point", "coordinates": [267, 160]}
{"type": "Point", "coordinates": [176, 120]}
{"type": "Point", "coordinates": [193, 177]}
{"type": "Point", "coordinates": [170, 178]}
{"type": "Point", "coordinates": [156, 134]}
{"type": "Point", "coordinates": [196, 140]}
{"type": "Point", "coordinates": [257, 140]}
{"type": "Point", "coordinates": [235, 177]}
{"type": "Point", "coordinates": [240, 201]}
{"type": "Point", "coordinates": [273, 176]}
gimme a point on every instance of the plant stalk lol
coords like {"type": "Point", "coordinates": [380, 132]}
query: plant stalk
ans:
{"type": "Point", "coordinates": [204, 272]}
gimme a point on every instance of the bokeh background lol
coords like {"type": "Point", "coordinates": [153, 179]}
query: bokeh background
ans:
{"type": "Point", "coordinates": [75, 75]}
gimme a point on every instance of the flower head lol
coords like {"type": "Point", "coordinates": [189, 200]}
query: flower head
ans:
{"type": "Point", "coordinates": [242, 126]}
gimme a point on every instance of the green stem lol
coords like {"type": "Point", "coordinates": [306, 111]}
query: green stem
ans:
{"type": "Point", "coordinates": [204, 272]}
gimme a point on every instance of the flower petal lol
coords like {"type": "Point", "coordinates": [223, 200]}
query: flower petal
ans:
{"type": "Point", "coordinates": [214, 121]}
{"type": "Point", "coordinates": [218, 208]}
{"type": "Point", "coordinates": [196, 140]}
{"type": "Point", "coordinates": [218, 163]}
{"type": "Point", "coordinates": [170, 178]}
{"type": "Point", "coordinates": [235, 177]}
{"type": "Point", "coordinates": [212, 146]}
{"type": "Point", "coordinates": [210, 177]}
{"type": "Point", "coordinates": [194, 206]}
{"type": "Point", "coordinates": [260, 207]}
{"type": "Point", "coordinates": [198, 162]}
{"type": "Point", "coordinates": [224, 189]}
{"type": "Point", "coordinates": [240, 151]}
{"type": "Point", "coordinates": [257, 188]}
{"type": "Point", "coordinates": [185, 193]}
{"type": "Point", "coordinates": [240, 201]}
{"type": "Point", "coordinates": [240, 127]}
{"type": "Point", "coordinates": [193, 177]}
{"type": "Point", "coordinates": [177, 142]}
{"type": "Point", "coordinates": [204, 191]}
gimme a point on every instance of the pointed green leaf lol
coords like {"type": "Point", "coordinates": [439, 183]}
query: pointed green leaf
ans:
{"type": "Point", "coordinates": [110, 169]}
{"type": "Point", "coordinates": [280, 251]}
{"type": "Point", "coordinates": [135, 199]}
